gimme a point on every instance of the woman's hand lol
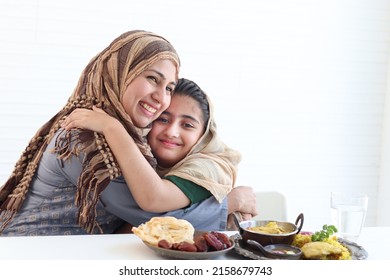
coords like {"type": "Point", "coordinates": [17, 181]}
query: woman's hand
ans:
{"type": "Point", "coordinates": [96, 120]}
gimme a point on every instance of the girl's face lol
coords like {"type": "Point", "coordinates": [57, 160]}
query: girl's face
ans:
{"type": "Point", "coordinates": [149, 94]}
{"type": "Point", "coordinates": [176, 131]}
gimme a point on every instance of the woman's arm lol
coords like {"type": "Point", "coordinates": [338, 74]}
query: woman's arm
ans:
{"type": "Point", "coordinates": [208, 214]}
{"type": "Point", "coordinates": [205, 215]}
{"type": "Point", "coordinates": [152, 193]}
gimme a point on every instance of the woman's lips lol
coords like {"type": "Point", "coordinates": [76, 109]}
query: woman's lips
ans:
{"type": "Point", "coordinates": [151, 110]}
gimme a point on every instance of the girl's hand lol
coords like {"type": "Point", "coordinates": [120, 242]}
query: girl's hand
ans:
{"type": "Point", "coordinates": [96, 120]}
{"type": "Point", "coordinates": [242, 199]}
{"type": "Point", "coordinates": [231, 225]}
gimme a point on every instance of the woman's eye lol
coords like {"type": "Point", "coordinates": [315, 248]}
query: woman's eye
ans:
{"type": "Point", "coordinates": [170, 90]}
{"type": "Point", "coordinates": [153, 78]}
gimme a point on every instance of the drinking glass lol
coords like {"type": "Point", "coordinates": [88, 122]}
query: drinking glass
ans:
{"type": "Point", "coordinates": [348, 213]}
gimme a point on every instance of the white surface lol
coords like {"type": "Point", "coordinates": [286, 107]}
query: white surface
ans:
{"type": "Point", "coordinates": [271, 205]}
{"type": "Point", "coordinates": [130, 247]}
{"type": "Point", "coordinates": [383, 218]}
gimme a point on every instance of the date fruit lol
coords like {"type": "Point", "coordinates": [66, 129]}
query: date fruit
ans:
{"type": "Point", "coordinates": [223, 238]}
{"type": "Point", "coordinates": [186, 246]}
{"type": "Point", "coordinates": [164, 244]}
{"type": "Point", "coordinates": [205, 242]}
{"type": "Point", "coordinates": [214, 242]}
{"type": "Point", "coordinates": [201, 243]}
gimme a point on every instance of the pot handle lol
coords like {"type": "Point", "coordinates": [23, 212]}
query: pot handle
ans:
{"type": "Point", "coordinates": [258, 246]}
{"type": "Point", "coordinates": [299, 221]}
{"type": "Point", "coordinates": [237, 219]}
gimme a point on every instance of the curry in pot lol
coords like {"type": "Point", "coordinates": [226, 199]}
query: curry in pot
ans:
{"type": "Point", "coordinates": [269, 228]}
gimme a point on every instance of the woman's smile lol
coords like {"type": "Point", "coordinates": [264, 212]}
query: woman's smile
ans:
{"type": "Point", "coordinates": [148, 108]}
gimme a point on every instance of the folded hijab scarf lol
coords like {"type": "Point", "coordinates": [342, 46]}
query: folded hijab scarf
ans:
{"type": "Point", "coordinates": [102, 83]}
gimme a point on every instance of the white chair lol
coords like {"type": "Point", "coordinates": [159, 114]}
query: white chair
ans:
{"type": "Point", "coordinates": [271, 205]}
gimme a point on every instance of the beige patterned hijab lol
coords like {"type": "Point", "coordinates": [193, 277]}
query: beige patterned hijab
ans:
{"type": "Point", "coordinates": [210, 163]}
{"type": "Point", "coordinates": [103, 83]}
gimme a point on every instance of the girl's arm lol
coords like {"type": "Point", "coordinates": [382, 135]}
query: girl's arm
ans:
{"type": "Point", "coordinates": [151, 193]}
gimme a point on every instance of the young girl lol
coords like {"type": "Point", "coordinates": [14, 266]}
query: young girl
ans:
{"type": "Point", "coordinates": [192, 161]}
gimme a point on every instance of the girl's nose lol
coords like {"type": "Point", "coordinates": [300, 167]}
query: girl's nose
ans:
{"type": "Point", "coordinates": [172, 131]}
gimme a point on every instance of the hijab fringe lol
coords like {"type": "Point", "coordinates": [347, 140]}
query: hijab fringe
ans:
{"type": "Point", "coordinates": [99, 168]}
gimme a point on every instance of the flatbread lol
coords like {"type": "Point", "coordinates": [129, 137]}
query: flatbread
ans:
{"type": "Point", "coordinates": [169, 228]}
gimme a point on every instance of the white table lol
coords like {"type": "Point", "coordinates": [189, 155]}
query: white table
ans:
{"type": "Point", "coordinates": [130, 247]}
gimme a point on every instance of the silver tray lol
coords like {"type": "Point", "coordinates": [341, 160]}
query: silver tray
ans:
{"type": "Point", "coordinates": [357, 251]}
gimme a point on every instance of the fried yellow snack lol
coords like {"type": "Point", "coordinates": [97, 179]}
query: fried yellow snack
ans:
{"type": "Point", "coordinates": [319, 250]}
{"type": "Point", "coordinates": [331, 250]}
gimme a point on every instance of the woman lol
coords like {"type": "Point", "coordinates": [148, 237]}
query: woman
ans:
{"type": "Point", "coordinates": [59, 180]}
{"type": "Point", "coordinates": [134, 78]}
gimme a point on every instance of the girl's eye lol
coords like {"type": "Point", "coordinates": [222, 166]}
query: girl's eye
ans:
{"type": "Point", "coordinates": [162, 120]}
{"type": "Point", "coordinates": [188, 125]}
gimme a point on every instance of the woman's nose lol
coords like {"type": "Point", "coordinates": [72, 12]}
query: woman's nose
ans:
{"type": "Point", "coordinates": [161, 96]}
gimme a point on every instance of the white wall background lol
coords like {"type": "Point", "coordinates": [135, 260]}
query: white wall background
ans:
{"type": "Point", "coordinates": [299, 86]}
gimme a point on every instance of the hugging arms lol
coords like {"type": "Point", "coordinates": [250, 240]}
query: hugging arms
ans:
{"type": "Point", "coordinates": [184, 141]}
{"type": "Point", "coordinates": [66, 182]}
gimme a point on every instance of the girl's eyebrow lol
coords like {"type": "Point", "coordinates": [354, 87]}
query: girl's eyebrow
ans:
{"type": "Point", "coordinates": [184, 116]}
{"type": "Point", "coordinates": [162, 76]}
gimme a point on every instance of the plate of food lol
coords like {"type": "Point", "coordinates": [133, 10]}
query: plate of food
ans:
{"type": "Point", "coordinates": [177, 239]}
{"type": "Point", "coordinates": [171, 253]}
{"type": "Point", "coordinates": [321, 245]}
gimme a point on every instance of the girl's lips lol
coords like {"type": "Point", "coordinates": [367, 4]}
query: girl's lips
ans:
{"type": "Point", "coordinates": [169, 144]}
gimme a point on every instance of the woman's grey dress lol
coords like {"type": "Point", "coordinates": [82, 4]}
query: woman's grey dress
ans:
{"type": "Point", "coordinates": [49, 207]}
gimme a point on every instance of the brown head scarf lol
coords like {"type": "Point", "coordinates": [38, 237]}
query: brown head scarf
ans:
{"type": "Point", "coordinates": [210, 163]}
{"type": "Point", "coordinates": [103, 83]}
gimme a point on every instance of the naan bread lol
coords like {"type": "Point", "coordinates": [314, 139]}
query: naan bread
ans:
{"type": "Point", "coordinates": [169, 228]}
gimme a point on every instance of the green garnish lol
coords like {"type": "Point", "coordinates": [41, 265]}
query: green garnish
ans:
{"type": "Point", "coordinates": [324, 233]}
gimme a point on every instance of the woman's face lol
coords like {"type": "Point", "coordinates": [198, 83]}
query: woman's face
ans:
{"type": "Point", "coordinates": [176, 131]}
{"type": "Point", "coordinates": [149, 94]}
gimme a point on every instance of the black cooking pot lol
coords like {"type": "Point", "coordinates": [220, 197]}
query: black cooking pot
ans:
{"type": "Point", "coordinates": [264, 239]}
